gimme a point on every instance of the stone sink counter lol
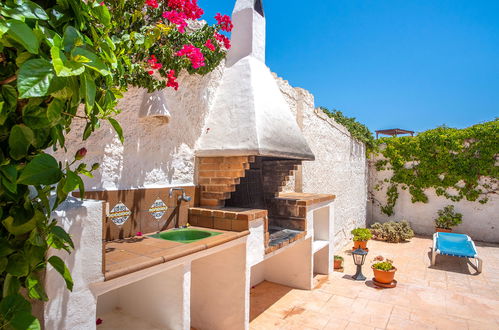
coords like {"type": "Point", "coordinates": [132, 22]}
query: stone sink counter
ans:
{"type": "Point", "coordinates": [129, 255]}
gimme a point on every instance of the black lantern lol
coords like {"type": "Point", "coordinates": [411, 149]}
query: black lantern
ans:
{"type": "Point", "coordinates": [359, 256]}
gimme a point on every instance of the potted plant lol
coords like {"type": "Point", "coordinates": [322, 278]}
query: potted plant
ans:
{"type": "Point", "coordinates": [384, 271]}
{"type": "Point", "coordinates": [447, 218]}
{"type": "Point", "coordinates": [360, 238]}
{"type": "Point", "coordinates": [338, 262]}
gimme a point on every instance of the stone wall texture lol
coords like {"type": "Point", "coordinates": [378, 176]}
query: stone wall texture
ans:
{"type": "Point", "coordinates": [480, 221]}
{"type": "Point", "coordinates": [340, 166]}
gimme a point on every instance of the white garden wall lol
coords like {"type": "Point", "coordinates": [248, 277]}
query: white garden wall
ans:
{"type": "Point", "coordinates": [480, 221]}
{"type": "Point", "coordinates": [340, 165]}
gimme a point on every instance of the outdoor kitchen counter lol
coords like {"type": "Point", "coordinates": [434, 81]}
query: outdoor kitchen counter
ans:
{"type": "Point", "coordinates": [129, 255]}
{"type": "Point", "coordinates": [305, 198]}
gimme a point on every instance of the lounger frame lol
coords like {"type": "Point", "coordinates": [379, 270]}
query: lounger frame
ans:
{"type": "Point", "coordinates": [477, 265]}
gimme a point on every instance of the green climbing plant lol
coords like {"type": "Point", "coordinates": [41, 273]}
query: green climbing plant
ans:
{"type": "Point", "coordinates": [456, 163]}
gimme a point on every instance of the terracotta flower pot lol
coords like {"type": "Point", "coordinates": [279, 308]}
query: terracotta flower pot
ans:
{"type": "Point", "coordinates": [442, 230]}
{"type": "Point", "coordinates": [360, 245]}
{"type": "Point", "coordinates": [383, 276]}
{"type": "Point", "coordinates": [337, 263]}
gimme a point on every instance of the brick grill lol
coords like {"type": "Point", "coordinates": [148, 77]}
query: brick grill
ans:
{"type": "Point", "coordinates": [254, 183]}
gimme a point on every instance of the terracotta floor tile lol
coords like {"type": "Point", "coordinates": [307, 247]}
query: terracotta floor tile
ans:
{"type": "Point", "coordinates": [449, 296]}
{"type": "Point", "coordinates": [336, 324]}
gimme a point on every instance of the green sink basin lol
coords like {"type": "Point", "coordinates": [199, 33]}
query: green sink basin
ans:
{"type": "Point", "coordinates": [186, 235]}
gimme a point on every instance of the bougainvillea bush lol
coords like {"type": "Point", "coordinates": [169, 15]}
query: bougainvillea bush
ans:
{"type": "Point", "coordinates": [69, 60]}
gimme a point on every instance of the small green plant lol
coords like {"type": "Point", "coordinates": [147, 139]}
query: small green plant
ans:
{"type": "Point", "coordinates": [338, 258]}
{"type": "Point", "coordinates": [361, 234]}
{"type": "Point", "coordinates": [448, 218]}
{"type": "Point", "coordinates": [380, 263]}
{"type": "Point", "coordinates": [392, 231]}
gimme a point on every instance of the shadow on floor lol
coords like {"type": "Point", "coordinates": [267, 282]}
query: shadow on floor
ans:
{"type": "Point", "coordinates": [453, 264]}
{"type": "Point", "coordinates": [264, 295]}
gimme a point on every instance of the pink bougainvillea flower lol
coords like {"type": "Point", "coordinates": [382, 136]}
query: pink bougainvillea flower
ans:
{"type": "Point", "coordinates": [172, 80]}
{"type": "Point", "coordinates": [151, 72]}
{"type": "Point", "coordinates": [223, 40]}
{"type": "Point", "coordinates": [102, 3]}
{"type": "Point", "coordinates": [189, 7]}
{"type": "Point", "coordinates": [153, 63]}
{"type": "Point", "coordinates": [194, 54]}
{"type": "Point", "coordinates": [176, 18]}
{"type": "Point", "coordinates": [209, 45]}
{"type": "Point", "coordinates": [224, 22]}
{"type": "Point", "coordinates": [139, 233]}
{"type": "Point", "coordinates": [152, 3]}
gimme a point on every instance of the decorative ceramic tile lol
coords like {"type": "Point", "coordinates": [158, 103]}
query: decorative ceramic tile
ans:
{"type": "Point", "coordinates": [119, 214]}
{"type": "Point", "coordinates": [158, 209]}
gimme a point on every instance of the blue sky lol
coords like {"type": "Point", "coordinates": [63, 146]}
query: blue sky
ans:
{"type": "Point", "coordinates": [411, 64]}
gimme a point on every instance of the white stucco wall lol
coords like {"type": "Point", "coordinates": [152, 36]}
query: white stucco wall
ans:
{"type": "Point", "coordinates": [480, 221]}
{"type": "Point", "coordinates": [76, 310]}
{"type": "Point", "coordinates": [340, 166]}
{"type": "Point", "coordinates": [155, 153]}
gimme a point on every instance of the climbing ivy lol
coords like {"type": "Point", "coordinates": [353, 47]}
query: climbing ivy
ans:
{"type": "Point", "coordinates": [457, 163]}
{"type": "Point", "coordinates": [358, 130]}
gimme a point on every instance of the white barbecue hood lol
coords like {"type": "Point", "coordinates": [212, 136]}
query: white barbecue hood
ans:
{"type": "Point", "coordinates": [249, 115]}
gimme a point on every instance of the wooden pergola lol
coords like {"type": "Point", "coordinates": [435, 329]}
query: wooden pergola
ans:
{"type": "Point", "coordinates": [393, 132]}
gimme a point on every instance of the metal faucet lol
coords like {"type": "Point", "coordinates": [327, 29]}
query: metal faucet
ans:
{"type": "Point", "coordinates": [182, 197]}
{"type": "Point", "coordinates": [176, 211]}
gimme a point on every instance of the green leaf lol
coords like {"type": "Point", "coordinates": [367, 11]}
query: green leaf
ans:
{"type": "Point", "coordinates": [117, 128]}
{"type": "Point", "coordinates": [88, 90]}
{"type": "Point", "coordinates": [18, 265]}
{"type": "Point", "coordinates": [9, 172]}
{"type": "Point", "coordinates": [63, 67]}
{"type": "Point", "coordinates": [22, 34]}
{"type": "Point", "coordinates": [25, 9]}
{"type": "Point", "coordinates": [24, 321]}
{"type": "Point", "coordinates": [21, 137]}
{"type": "Point", "coordinates": [94, 62]}
{"type": "Point", "coordinates": [62, 236]}
{"type": "Point", "coordinates": [42, 169]}
{"type": "Point", "coordinates": [35, 288]}
{"type": "Point", "coordinates": [3, 264]}
{"type": "Point", "coordinates": [36, 239]}
{"type": "Point", "coordinates": [35, 116]}
{"type": "Point", "coordinates": [59, 265]}
{"type": "Point", "coordinates": [71, 183]}
{"type": "Point", "coordinates": [12, 304]}
{"type": "Point", "coordinates": [71, 39]}
{"type": "Point", "coordinates": [54, 111]}
{"type": "Point", "coordinates": [18, 225]}
{"type": "Point", "coordinates": [9, 94]}
{"type": "Point", "coordinates": [23, 57]}
{"type": "Point", "coordinates": [102, 13]}
{"type": "Point", "coordinates": [34, 78]}
{"type": "Point", "coordinates": [5, 249]}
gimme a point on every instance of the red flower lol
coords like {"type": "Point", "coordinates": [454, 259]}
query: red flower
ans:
{"type": "Point", "coordinates": [194, 54]}
{"type": "Point", "coordinates": [152, 3]}
{"type": "Point", "coordinates": [151, 72]}
{"type": "Point", "coordinates": [171, 80]}
{"type": "Point", "coordinates": [209, 45]}
{"type": "Point", "coordinates": [80, 153]}
{"type": "Point", "coordinates": [102, 3]}
{"type": "Point", "coordinates": [153, 63]}
{"type": "Point", "coordinates": [176, 18]}
{"type": "Point", "coordinates": [139, 233]}
{"type": "Point", "coordinates": [189, 7]}
{"type": "Point", "coordinates": [98, 321]}
{"type": "Point", "coordinates": [224, 22]}
{"type": "Point", "coordinates": [222, 40]}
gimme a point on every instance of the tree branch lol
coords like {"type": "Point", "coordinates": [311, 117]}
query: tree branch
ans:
{"type": "Point", "coordinates": [8, 80]}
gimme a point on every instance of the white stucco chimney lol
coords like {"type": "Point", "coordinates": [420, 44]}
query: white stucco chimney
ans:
{"type": "Point", "coordinates": [249, 115]}
{"type": "Point", "coordinates": [248, 35]}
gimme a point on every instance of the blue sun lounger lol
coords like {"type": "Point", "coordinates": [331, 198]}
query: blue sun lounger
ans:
{"type": "Point", "coordinates": [457, 245]}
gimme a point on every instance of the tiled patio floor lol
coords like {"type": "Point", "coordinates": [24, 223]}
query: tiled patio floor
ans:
{"type": "Point", "coordinates": [449, 296]}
